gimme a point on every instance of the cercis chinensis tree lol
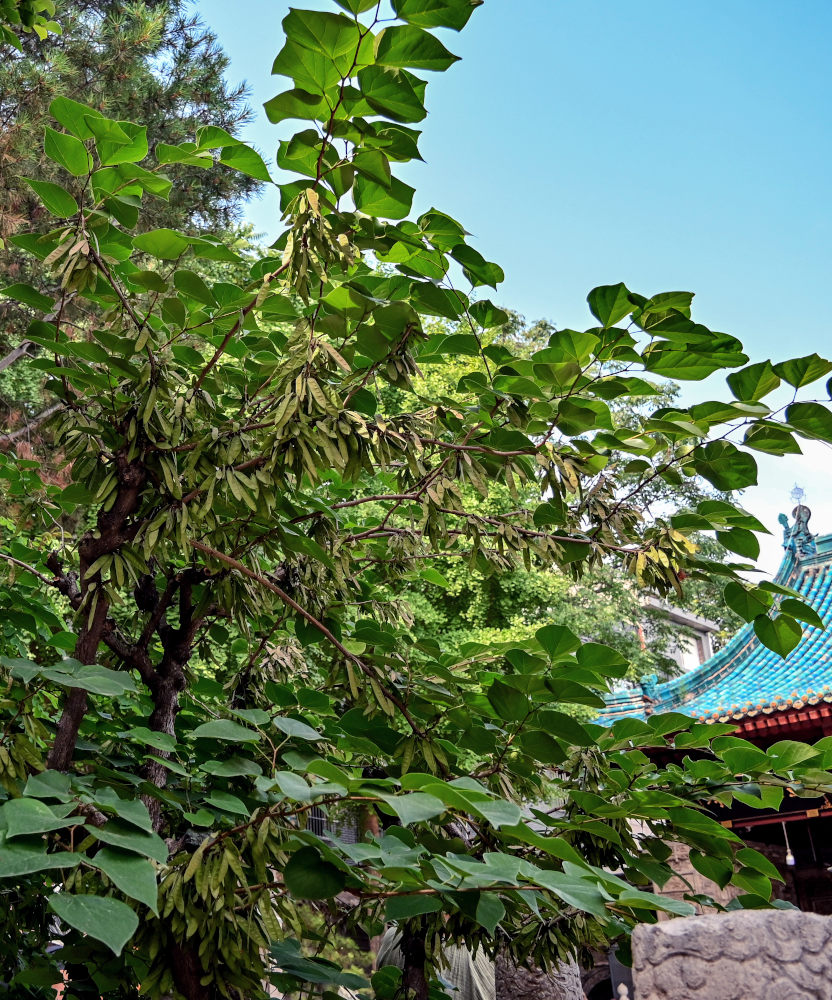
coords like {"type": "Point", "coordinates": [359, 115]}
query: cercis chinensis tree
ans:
{"type": "Point", "coordinates": [201, 648]}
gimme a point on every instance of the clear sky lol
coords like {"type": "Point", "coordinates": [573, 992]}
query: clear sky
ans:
{"type": "Point", "coordinates": [664, 144]}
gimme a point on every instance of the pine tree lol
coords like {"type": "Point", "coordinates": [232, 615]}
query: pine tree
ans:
{"type": "Point", "coordinates": [149, 61]}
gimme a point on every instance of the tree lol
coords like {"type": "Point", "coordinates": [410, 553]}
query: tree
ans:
{"type": "Point", "coordinates": [455, 604]}
{"type": "Point", "coordinates": [242, 506]}
{"type": "Point", "coordinates": [149, 61]}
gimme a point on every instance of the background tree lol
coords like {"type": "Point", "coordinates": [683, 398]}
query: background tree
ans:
{"type": "Point", "coordinates": [243, 484]}
{"type": "Point", "coordinates": [455, 604]}
{"type": "Point", "coordinates": [151, 61]}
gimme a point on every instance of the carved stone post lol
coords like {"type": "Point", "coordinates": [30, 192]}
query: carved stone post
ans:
{"type": "Point", "coordinates": [765, 954]}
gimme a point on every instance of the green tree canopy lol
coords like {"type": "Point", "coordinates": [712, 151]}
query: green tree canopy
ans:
{"type": "Point", "coordinates": [202, 638]}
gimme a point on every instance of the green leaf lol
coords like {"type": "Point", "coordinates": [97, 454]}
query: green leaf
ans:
{"type": "Point", "coordinates": [133, 811]}
{"type": "Point", "coordinates": [49, 785]}
{"type": "Point", "coordinates": [334, 35]}
{"type": "Point", "coordinates": [149, 737]}
{"type": "Point", "coordinates": [356, 6]}
{"type": "Point", "coordinates": [184, 153]}
{"type": "Point", "coordinates": [510, 704]}
{"type": "Point", "coordinates": [373, 164]}
{"type": "Point", "coordinates": [753, 382]}
{"type": "Point", "coordinates": [415, 807]}
{"type": "Point", "coordinates": [602, 659]}
{"type": "Point", "coordinates": [771, 440]}
{"type": "Point", "coordinates": [801, 371]}
{"type": "Point", "coordinates": [293, 786]}
{"type": "Point", "coordinates": [802, 611]}
{"type": "Point", "coordinates": [24, 858]}
{"type": "Point", "coordinates": [610, 303]}
{"type": "Point", "coordinates": [135, 876]}
{"type": "Point", "coordinates": [780, 634]}
{"type": "Point", "coordinates": [163, 243]}
{"type": "Point", "coordinates": [581, 893]}
{"type": "Point", "coordinates": [718, 870]}
{"type": "Point", "coordinates": [102, 918]}
{"type": "Point", "coordinates": [394, 93]}
{"type": "Point", "coordinates": [247, 160]}
{"type": "Point", "coordinates": [192, 285]}
{"type": "Point", "coordinates": [435, 577]}
{"type": "Point", "coordinates": [73, 674]}
{"type": "Point", "coordinates": [225, 730]}
{"type": "Point", "coordinates": [383, 201]}
{"type": "Point", "coordinates": [118, 142]}
{"type": "Point", "coordinates": [228, 803]}
{"type": "Point", "coordinates": [296, 103]}
{"type": "Point", "coordinates": [27, 816]}
{"type": "Point", "coordinates": [740, 540]}
{"type": "Point", "coordinates": [308, 876]}
{"type": "Point", "coordinates": [294, 727]}
{"type": "Point", "coordinates": [436, 13]}
{"type": "Point", "coordinates": [542, 747]}
{"type": "Point", "coordinates": [787, 753]}
{"type": "Point", "coordinates": [759, 862]}
{"type": "Point", "coordinates": [725, 466]}
{"type": "Point", "coordinates": [129, 838]}
{"type": "Point", "coordinates": [564, 727]}
{"type": "Point", "coordinates": [476, 268]}
{"type": "Point", "coordinates": [55, 199]}
{"type": "Point", "coordinates": [409, 47]}
{"type": "Point", "coordinates": [487, 314]}
{"type": "Point", "coordinates": [404, 907]}
{"type": "Point", "coordinates": [28, 296]}
{"type": "Point", "coordinates": [73, 116]}
{"type": "Point", "coordinates": [499, 813]}
{"type": "Point", "coordinates": [748, 604]}
{"type": "Point", "coordinates": [811, 420]}
{"type": "Point", "coordinates": [68, 152]}
{"type": "Point", "coordinates": [234, 767]}
{"type": "Point", "coordinates": [490, 911]}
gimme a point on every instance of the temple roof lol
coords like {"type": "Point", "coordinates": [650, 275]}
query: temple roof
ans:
{"type": "Point", "coordinates": [745, 679]}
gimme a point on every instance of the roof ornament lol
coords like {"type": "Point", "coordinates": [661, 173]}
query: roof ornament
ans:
{"type": "Point", "coordinates": [797, 538]}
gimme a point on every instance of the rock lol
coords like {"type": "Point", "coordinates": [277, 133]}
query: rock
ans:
{"type": "Point", "coordinates": [734, 956]}
{"type": "Point", "coordinates": [517, 983]}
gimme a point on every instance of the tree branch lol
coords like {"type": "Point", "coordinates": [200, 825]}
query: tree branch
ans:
{"type": "Point", "coordinates": [30, 425]}
{"type": "Point", "coordinates": [264, 582]}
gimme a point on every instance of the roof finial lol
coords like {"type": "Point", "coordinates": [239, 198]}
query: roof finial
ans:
{"type": "Point", "coordinates": [796, 537]}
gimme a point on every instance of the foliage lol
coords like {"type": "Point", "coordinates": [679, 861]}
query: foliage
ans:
{"type": "Point", "coordinates": [26, 15]}
{"type": "Point", "coordinates": [149, 61]}
{"type": "Point", "coordinates": [199, 643]}
{"type": "Point", "coordinates": [461, 605]}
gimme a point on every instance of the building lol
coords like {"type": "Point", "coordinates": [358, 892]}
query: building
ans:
{"type": "Point", "coordinates": [693, 643]}
{"type": "Point", "coordinates": [768, 699]}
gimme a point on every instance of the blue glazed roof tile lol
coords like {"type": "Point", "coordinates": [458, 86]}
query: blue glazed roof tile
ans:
{"type": "Point", "coordinates": [745, 677]}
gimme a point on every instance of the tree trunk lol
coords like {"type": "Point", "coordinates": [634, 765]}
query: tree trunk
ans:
{"type": "Point", "coordinates": [162, 720]}
{"type": "Point", "coordinates": [187, 972]}
{"type": "Point", "coordinates": [413, 977]}
{"type": "Point", "coordinates": [75, 707]}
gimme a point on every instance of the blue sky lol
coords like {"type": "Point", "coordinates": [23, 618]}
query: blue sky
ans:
{"type": "Point", "coordinates": [664, 144]}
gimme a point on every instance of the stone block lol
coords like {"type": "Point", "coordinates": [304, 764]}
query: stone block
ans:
{"type": "Point", "coordinates": [764, 954]}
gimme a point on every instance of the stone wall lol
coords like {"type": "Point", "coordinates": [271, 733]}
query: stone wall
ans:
{"type": "Point", "coordinates": [680, 862]}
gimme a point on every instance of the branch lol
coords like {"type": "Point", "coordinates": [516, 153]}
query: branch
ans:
{"type": "Point", "coordinates": [30, 425]}
{"type": "Point", "coordinates": [264, 582]}
{"type": "Point", "coordinates": [234, 329]}
{"type": "Point", "coordinates": [29, 569]}
{"type": "Point", "coordinates": [19, 352]}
